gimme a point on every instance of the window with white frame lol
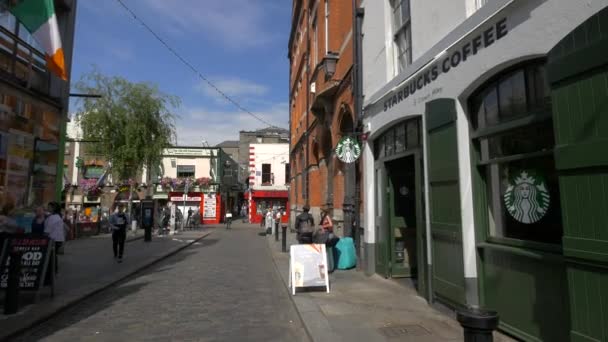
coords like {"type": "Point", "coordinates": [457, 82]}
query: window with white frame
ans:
{"type": "Point", "coordinates": [402, 34]}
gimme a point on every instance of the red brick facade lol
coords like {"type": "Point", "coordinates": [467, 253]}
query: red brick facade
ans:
{"type": "Point", "coordinates": [321, 104]}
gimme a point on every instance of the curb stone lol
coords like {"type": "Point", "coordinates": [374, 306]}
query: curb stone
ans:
{"type": "Point", "coordinates": [318, 330]}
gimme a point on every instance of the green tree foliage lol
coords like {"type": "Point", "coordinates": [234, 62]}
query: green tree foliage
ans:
{"type": "Point", "coordinates": [132, 122]}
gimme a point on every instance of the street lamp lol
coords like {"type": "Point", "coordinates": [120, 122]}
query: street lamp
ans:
{"type": "Point", "coordinates": [329, 64]}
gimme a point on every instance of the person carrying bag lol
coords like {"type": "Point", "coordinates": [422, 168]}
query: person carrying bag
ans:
{"type": "Point", "coordinates": [304, 226]}
{"type": "Point", "coordinates": [325, 235]}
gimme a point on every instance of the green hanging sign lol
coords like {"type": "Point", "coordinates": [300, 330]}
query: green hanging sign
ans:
{"type": "Point", "coordinates": [348, 150]}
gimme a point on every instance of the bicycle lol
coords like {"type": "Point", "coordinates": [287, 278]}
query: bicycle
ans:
{"type": "Point", "coordinates": [228, 220]}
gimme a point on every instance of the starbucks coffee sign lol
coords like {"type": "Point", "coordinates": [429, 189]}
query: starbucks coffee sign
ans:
{"type": "Point", "coordinates": [348, 150]}
{"type": "Point", "coordinates": [527, 198]}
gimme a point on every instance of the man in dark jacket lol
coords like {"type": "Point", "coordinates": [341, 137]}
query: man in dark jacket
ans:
{"type": "Point", "coordinates": [305, 225]}
{"type": "Point", "coordinates": [119, 222]}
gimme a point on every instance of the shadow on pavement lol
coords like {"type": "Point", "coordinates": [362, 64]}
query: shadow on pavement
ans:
{"type": "Point", "coordinates": [79, 312]}
{"type": "Point", "coordinates": [102, 299]}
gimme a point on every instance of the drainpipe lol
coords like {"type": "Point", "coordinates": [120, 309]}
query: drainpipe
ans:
{"type": "Point", "coordinates": [306, 132]}
{"type": "Point", "coordinates": [358, 14]}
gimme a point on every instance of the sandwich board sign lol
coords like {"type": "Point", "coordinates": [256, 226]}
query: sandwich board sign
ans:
{"type": "Point", "coordinates": [308, 266]}
{"type": "Point", "coordinates": [36, 260]}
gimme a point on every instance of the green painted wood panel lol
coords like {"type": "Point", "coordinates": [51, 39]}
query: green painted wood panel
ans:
{"type": "Point", "coordinates": [382, 238]}
{"type": "Point", "coordinates": [529, 294]}
{"type": "Point", "coordinates": [579, 93]}
{"type": "Point", "coordinates": [444, 196]}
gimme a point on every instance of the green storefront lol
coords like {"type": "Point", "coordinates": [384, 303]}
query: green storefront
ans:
{"type": "Point", "coordinates": [507, 176]}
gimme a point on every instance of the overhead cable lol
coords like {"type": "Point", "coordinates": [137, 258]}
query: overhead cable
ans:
{"type": "Point", "coordinates": [191, 67]}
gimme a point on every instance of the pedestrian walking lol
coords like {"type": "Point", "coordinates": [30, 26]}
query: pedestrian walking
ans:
{"type": "Point", "coordinates": [268, 222]}
{"type": "Point", "coordinates": [38, 222]}
{"type": "Point", "coordinates": [189, 220]}
{"type": "Point", "coordinates": [263, 220]}
{"type": "Point", "coordinates": [304, 225]}
{"type": "Point", "coordinates": [54, 229]}
{"type": "Point", "coordinates": [119, 222]}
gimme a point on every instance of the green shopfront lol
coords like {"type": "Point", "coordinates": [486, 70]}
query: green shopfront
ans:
{"type": "Point", "coordinates": [490, 171]}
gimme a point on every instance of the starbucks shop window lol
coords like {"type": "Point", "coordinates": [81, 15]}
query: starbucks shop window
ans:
{"type": "Point", "coordinates": [511, 116]}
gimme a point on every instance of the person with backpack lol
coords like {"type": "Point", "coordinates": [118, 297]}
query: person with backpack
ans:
{"type": "Point", "coordinates": [304, 226]}
{"type": "Point", "coordinates": [119, 222]}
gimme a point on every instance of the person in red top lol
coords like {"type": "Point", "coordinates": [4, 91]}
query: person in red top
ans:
{"type": "Point", "coordinates": [326, 223]}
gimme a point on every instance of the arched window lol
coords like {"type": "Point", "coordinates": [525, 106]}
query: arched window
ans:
{"type": "Point", "coordinates": [513, 135]}
{"type": "Point", "coordinates": [398, 139]}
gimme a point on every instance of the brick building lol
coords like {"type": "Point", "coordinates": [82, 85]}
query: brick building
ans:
{"type": "Point", "coordinates": [321, 107]}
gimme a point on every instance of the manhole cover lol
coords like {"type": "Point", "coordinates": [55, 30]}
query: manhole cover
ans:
{"type": "Point", "coordinates": [400, 330]}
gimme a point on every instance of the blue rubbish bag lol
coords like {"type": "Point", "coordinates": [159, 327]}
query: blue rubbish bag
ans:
{"type": "Point", "coordinates": [345, 255]}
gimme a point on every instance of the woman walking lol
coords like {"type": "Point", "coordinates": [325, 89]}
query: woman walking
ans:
{"type": "Point", "coordinates": [53, 228]}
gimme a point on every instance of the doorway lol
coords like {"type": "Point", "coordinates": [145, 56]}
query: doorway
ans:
{"type": "Point", "coordinates": [404, 221]}
{"type": "Point", "coordinates": [400, 226]}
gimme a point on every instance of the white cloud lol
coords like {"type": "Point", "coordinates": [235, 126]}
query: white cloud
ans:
{"type": "Point", "coordinates": [236, 23]}
{"type": "Point", "coordinates": [232, 87]}
{"type": "Point", "coordinates": [216, 126]}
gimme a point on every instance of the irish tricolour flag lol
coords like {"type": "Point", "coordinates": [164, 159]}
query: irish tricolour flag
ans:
{"type": "Point", "coordinates": [38, 16]}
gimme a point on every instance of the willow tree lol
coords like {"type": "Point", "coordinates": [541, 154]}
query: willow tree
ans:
{"type": "Point", "coordinates": [131, 123]}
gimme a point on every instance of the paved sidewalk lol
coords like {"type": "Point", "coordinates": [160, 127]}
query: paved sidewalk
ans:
{"type": "Point", "coordinates": [87, 267]}
{"type": "Point", "coordinates": [361, 308]}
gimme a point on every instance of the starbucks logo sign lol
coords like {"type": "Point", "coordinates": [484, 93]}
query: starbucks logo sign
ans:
{"type": "Point", "coordinates": [348, 150]}
{"type": "Point", "coordinates": [527, 198]}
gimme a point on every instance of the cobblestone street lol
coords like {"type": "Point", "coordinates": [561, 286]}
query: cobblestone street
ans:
{"type": "Point", "coordinates": [224, 288]}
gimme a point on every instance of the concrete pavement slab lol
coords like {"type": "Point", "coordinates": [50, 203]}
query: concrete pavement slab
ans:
{"type": "Point", "coordinates": [362, 308]}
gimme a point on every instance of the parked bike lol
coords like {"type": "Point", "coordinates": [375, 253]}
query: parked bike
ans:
{"type": "Point", "coordinates": [228, 220]}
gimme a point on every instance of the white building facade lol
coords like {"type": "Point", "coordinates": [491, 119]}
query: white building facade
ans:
{"type": "Point", "coordinates": [469, 113]}
{"type": "Point", "coordinates": [268, 179]}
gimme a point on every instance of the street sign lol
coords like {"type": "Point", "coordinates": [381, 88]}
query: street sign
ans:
{"type": "Point", "coordinates": [348, 150]}
{"type": "Point", "coordinates": [308, 266]}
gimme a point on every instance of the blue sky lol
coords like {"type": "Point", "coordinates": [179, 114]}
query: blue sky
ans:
{"type": "Point", "coordinates": [241, 45]}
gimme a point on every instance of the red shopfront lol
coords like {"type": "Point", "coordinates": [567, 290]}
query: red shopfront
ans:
{"type": "Point", "coordinates": [262, 200]}
{"type": "Point", "coordinates": [209, 205]}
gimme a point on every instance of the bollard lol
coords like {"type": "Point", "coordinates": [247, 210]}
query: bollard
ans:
{"type": "Point", "coordinates": [478, 324]}
{"type": "Point", "coordinates": [148, 234]}
{"type": "Point", "coordinates": [11, 301]}
{"type": "Point", "coordinates": [284, 239]}
{"type": "Point", "coordinates": [276, 231]}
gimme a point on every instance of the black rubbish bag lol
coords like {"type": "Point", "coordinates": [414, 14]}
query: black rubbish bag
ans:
{"type": "Point", "coordinates": [322, 236]}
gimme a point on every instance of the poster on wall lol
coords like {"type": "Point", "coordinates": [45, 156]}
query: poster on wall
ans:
{"type": "Point", "coordinates": [209, 206]}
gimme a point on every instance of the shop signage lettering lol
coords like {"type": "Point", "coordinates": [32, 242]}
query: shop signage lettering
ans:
{"type": "Point", "coordinates": [188, 199]}
{"type": "Point", "coordinates": [34, 259]}
{"type": "Point", "coordinates": [482, 40]}
{"type": "Point", "coordinates": [189, 152]}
